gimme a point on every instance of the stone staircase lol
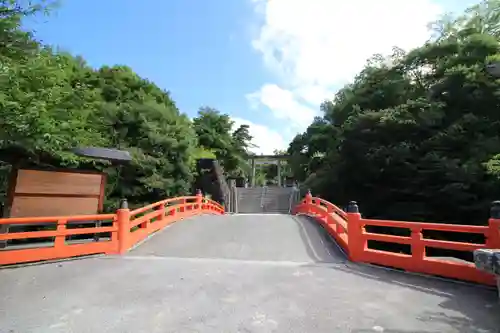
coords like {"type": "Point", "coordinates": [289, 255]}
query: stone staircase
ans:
{"type": "Point", "coordinates": [263, 200]}
{"type": "Point", "coordinates": [249, 200]}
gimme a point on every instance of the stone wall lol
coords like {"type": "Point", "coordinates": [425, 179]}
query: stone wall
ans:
{"type": "Point", "coordinates": [488, 260]}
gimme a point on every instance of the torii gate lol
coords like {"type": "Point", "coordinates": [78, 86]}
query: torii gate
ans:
{"type": "Point", "coordinates": [267, 159]}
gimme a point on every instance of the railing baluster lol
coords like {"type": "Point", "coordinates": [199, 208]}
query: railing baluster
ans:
{"type": "Point", "coordinates": [417, 247]}
{"type": "Point", "coordinates": [60, 239]}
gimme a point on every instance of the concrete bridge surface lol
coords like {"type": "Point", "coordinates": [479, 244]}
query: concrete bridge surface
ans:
{"type": "Point", "coordinates": [237, 273]}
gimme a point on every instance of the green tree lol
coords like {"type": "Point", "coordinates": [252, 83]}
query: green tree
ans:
{"type": "Point", "coordinates": [51, 101]}
{"type": "Point", "coordinates": [216, 132]}
{"type": "Point", "coordinates": [415, 136]}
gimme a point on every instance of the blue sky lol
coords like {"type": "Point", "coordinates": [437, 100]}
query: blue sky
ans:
{"type": "Point", "coordinates": [266, 63]}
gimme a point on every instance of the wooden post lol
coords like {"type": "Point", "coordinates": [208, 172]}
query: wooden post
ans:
{"type": "Point", "coordinates": [356, 243]}
{"type": "Point", "coordinates": [199, 200]}
{"type": "Point", "coordinates": [417, 249]}
{"type": "Point", "coordinates": [308, 198]}
{"type": "Point", "coordinates": [123, 220]}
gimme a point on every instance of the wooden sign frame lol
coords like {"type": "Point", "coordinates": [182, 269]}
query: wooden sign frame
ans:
{"type": "Point", "coordinates": [33, 186]}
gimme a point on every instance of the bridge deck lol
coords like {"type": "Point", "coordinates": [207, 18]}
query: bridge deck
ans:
{"type": "Point", "coordinates": [246, 273]}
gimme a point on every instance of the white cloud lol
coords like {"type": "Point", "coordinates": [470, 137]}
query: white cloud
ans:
{"type": "Point", "coordinates": [264, 138]}
{"type": "Point", "coordinates": [316, 46]}
{"type": "Point", "coordinates": [283, 104]}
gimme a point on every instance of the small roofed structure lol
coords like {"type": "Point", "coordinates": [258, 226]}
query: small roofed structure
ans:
{"type": "Point", "coordinates": [115, 156]}
{"type": "Point", "coordinates": [48, 191]}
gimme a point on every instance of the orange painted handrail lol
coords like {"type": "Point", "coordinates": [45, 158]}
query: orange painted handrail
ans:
{"type": "Point", "coordinates": [162, 213]}
{"type": "Point", "coordinates": [126, 228]}
{"type": "Point", "coordinates": [60, 248]}
{"type": "Point", "coordinates": [349, 230]}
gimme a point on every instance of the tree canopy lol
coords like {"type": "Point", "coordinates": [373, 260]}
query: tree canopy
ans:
{"type": "Point", "coordinates": [230, 145]}
{"type": "Point", "coordinates": [52, 101]}
{"type": "Point", "coordinates": [416, 135]}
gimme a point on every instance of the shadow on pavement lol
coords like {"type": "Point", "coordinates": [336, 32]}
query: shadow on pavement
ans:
{"type": "Point", "coordinates": [476, 306]}
{"type": "Point", "coordinates": [319, 245]}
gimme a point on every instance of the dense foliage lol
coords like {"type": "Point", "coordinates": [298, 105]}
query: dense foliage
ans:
{"type": "Point", "coordinates": [215, 132]}
{"type": "Point", "coordinates": [52, 101]}
{"type": "Point", "coordinates": [416, 136]}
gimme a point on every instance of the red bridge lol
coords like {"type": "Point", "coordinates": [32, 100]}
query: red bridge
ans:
{"type": "Point", "coordinates": [312, 271]}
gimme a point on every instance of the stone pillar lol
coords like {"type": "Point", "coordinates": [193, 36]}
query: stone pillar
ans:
{"type": "Point", "coordinates": [252, 183]}
{"type": "Point", "coordinates": [488, 260]}
{"type": "Point", "coordinates": [232, 196]}
{"type": "Point", "coordinates": [498, 286]}
{"type": "Point", "coordinates": [278, 165]}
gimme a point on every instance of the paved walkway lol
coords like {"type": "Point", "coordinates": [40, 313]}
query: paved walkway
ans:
{"type": "Point", "coordinates": [246, 273]}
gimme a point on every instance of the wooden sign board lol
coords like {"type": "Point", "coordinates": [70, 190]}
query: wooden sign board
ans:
{"type": "Point", "coordinates": [264, 162]}
{"type": "Point", "coordinates": [35, 193]}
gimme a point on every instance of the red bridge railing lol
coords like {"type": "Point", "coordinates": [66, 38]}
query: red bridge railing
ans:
{"type": "Point", "coordinates": [349, 230]}
{"type": "Point", "coordinates": [73, 236]}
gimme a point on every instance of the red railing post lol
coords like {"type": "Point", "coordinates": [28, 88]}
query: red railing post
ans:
{"type": "Point", "coordinates": [308, 200]}
{"type": "Point", "coordinates": [172, 211]}
{"type": "Point", "coordinates": [182, 208]}
{"type": "Point", "coordinates": [161, 212]}
{"type": "Point", "coordinates": [417, 248]}
{"type": "Point", "coordinates": [309, 197]}
{"type": "Point", "coordinates": [355, 243]}
{"type": "Point", "coordinates": [60, 239]}
{"type": "Point", "coordinates": [199, 200]}
{"type": "Point", "coordinates": [493, 238]}
{"type": "Point", "coordinates": [123, 221]}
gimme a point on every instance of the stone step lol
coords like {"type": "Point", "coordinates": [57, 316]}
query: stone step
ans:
{"type": "Point", "coordinates": [264, 199]}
